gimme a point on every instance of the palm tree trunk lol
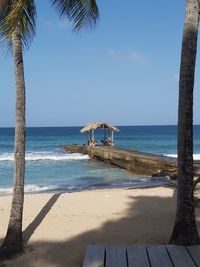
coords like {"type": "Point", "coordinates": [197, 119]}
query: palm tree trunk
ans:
{"type": "Point", "coordinates": [13, 242]}
{"type": "Point", "coordinates": [185, 231]}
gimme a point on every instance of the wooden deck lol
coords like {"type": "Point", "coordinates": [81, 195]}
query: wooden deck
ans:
{"type": "Point", "coordinates": [142, 256]}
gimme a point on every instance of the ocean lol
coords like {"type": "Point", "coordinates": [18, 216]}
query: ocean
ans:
{"type": "Point", "coordinates": [48, 169]}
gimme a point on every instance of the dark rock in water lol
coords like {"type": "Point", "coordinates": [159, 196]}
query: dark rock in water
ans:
{"type": "Point", "coordinates": [166, 173]}
{"type": "Point", "coordinates": [74, 148]}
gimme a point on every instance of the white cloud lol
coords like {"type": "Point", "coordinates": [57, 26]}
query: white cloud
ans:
{"type": "Point", "coordinates": [137, 57]}
{"type": "Point", "coordinates": [60, 25]}
{"type": "Point", "coordinates": [132, 55]}
{"type": "Point", "coordinates": [64, 24]}
{"type": "Point", "coordinates": [48, 24]}
{"type": "Point", "coordinates": [114, 54]}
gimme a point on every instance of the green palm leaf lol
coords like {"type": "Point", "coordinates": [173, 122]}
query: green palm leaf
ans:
{"type": "Point", "coordinates": [79, 12]}
{"type": "Point", "coordinates": [22, 15]}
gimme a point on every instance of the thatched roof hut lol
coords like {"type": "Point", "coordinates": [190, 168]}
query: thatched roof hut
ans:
{"type": "Point", "coordinates": [94, 125]}
{"type": "Point", "coordinates": [90, 127]}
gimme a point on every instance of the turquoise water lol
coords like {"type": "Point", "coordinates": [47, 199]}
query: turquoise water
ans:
{"type": "Point", "coordinates": [49, 169]}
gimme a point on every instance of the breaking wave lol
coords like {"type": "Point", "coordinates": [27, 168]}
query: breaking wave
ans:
{"type": "Point", "coordinates": [31, 188]}
{"type": "Point", "coordinates": [40, 156]}
{"type": "Point", "coordinates": [195, 156]}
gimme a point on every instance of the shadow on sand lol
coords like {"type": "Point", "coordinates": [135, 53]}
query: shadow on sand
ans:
{"type": "Point", "coordinates": [143, 213]}
{"type": "Point", "coordinates": [27, 233]}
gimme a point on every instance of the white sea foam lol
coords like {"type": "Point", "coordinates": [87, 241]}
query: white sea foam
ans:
{"type": "Point", "coordinates": [6, 190]}
{"type": "Point", "coordinates": [195, 156]}
{"type": "Point", "coordinates": [39, 156]}
{"type": "Point", "coordinates": [31, 188]}
{"type": "Point", "coordinates": [171, 155]}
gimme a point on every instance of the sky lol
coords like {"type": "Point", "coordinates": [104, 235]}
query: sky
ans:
{"type": "Point", "coordinates": [125, 71]}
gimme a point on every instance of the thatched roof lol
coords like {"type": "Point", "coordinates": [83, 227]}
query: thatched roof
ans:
{"type": "Point", "coordinates": [95, 125]}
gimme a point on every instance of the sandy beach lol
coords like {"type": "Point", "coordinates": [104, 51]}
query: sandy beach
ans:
{"type": "Point", "coordinates": [57, 227]}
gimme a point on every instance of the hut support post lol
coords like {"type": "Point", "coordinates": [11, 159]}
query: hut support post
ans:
{"type": "Point", "coordinates": [108, 130]}
{"type": "Point", "coordinates": [112, 135]}
{"type": "Point", "coordinates": [93, 135]}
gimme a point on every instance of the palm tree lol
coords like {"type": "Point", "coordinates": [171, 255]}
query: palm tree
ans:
{"type": "Point", "coordinates": [17, 28]}
{"type": "Point", "coordinates": [185, 231]}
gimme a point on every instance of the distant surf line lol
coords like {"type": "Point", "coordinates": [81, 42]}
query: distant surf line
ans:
{"type": "Point", "coordinates": [42, 156]}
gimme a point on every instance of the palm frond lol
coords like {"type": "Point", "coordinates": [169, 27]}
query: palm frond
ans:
{"type": "Point", "coordinates": [80, 12]}
{"type": "Point", "coordinates": [5, 7]}
{"type": "Point", "coordinates": [22, 15]}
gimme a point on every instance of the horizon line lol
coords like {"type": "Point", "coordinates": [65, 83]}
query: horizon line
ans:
{"type": "Point", "coordinates": [78, 126]}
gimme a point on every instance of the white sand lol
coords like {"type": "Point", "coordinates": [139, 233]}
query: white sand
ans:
{"type": "Point", "coordinates": [57, 228]}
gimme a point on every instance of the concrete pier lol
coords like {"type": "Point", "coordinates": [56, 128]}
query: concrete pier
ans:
{"type": "Point", "coordinates": [138, 162]}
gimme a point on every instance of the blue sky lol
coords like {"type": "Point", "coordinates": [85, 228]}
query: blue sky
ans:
{"type": "Point", "coordinates": [125, 71]}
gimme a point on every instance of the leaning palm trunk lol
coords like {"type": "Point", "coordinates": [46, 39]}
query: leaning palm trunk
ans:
{"type": "Point", "coordinates": [13, 242]}
{"type": "Point", "coordinates": [17, 25]}
{"type": "Point", "coordinates": [185, 231]}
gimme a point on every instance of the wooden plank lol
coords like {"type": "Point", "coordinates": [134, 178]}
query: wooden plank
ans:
{"type": "Point", "coordinates": [116, 256]}
{"type": "Point", "coordinates": [158, 256]}
{"type": "Point", "coordinates": [137, 256]}
{"type": "Point", "coordinates": [195, 253]}
{"type": "Point", "coordinates": [180, 256]}
{"type": "Point", "coordinates": [94, 256]}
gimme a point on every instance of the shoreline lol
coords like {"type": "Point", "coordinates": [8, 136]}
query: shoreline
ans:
{"type": "Point", "coordinates": [58, 227]}
{"type": "Point", "coordinates": [157, 183]}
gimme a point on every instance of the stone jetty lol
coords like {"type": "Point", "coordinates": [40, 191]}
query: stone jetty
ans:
{"type": "Point", "coordinates": [138, 162]}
